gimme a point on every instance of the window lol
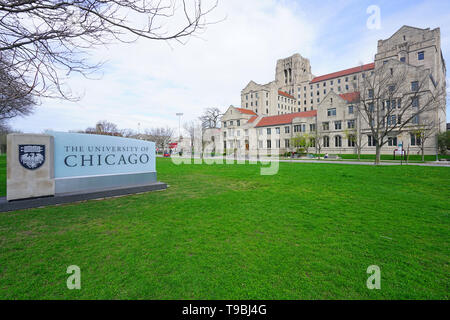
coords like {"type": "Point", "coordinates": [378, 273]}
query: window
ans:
{"type": "Point", "coordinates": [269, 144]}
{"type": "Point", "coordinates": [339, 89]}
{"type": "Point", "coordinates": [392, 141]}
{"type": "Point", "coordinates": [337, 125]}
{"type": "Point", "coordinates": [312, 127]}
{"type": "Point", "coordinates": [269, 131]}
{"type": "Point", "coordinates": [371, 107]}
{"type": "Point", "coordinates": [371, 141]}
{"type": "Point", "coordinates": [297, 128]}
{"type": "Point", "coordinates": [338, 141]}
{"type": "Point", "coordinates": [346, 87]}
{"type": "Point", "coordinates": [391, 88]}
{"type": "Point", "coordinates": [351, 124]}
{"type": "Point", "coordinates": [326, 142]}
{"type": "Point", "coordinates": [277, 130]}
{"type": "Point", "coordinates": [370, 93]}
{"type": "Point", "coordinates": [350, 109]}
{"type": "Point", "coordinates": [312, 142]}
{"type": "Point", "coordinates": [326, 126]}
{"type": "Point", "coordinates": [287, 129]}
{"type": "Point", "coordinates": [415, 86]}
{"type": "Point", "coordinates": [225, 134]}
{"type": "Point", "coordinates": [391, 121]}
{"type": "Point", "coordinates": [224, 124]}
{"type": "Point", "coordinates": [415, 119]}
{"type": "Point", "coordinates": [421, 55]}
{"type": "Point", "coordinates": [278, 143]}
{"type": "Point", "coordinates": [415, 140]}
{"type": "Point", "coordinates": [415, 102]}
{"type": "Point", "coordinates": [286, 143]}
{"type": "Point", "coordinates": [351, 141]}
{"type": "Point", "coordinates": [346, 79]}
{"type": "Point", "coordinates": [402, 59]}
{"type": "Point", "coordinates": [238, 122]}
{"type": "Point", "coordinates": [303, 127]}
{"type": "Point", "coordinates": [339, 80]}
{"type": "Point", "coordinates": [231, 122]}
{"type": "Point", "coordinates": [332, 112]}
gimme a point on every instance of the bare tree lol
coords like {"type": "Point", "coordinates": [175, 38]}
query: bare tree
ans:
{"type": "Point", "coordinates": [317, 136]}
{"type": "Point", "coordinates": [393, 97]}
{"type": "Point", "coordinates": [160, 136]}
{"type": "Point", "coordinates": [211, 118]}
{"type": "Point", "coordinates": [15, 99]}
{"type": "Point", "coordinates": [43, 41]}
{"type": "Point", "coordinates": [104, 127]}
{"type": "Point", "coordinates": [424, 131]}
{"type": "Point", "coordinates": [190, 128]}
{"type": "Point", "coordinates": [355, 136]}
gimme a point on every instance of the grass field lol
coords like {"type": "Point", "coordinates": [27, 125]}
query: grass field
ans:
{"type": "Point", "coordinates": [226, 232]}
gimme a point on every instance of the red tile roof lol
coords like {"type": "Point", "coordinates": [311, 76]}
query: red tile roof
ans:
{"type": "Point", "coordinates": [246, 111]}
{"type": "Point", "coordinates": [287, 95]}
{"type": "Point", "coordinates": [252, 119]}
{"type": "Point", "coordinates": [342, 73]}
{"type": "Point", "coordinates": [350, 97]}
{"type": "Point", "coordinates": [285, 118]}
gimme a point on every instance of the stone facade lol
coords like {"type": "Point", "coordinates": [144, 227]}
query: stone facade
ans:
{"type": "Point", "coordinates": [327, 107]}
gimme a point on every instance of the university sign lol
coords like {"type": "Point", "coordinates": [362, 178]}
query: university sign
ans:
{"type": "Point", "coordinates": [62, 163]}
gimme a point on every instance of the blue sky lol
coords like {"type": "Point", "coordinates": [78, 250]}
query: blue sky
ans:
{"type": "Point", "coordinates": [147, 82]}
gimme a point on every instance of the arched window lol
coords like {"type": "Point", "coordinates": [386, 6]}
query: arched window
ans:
{"type": "Point", "coordinates": [337, 141]}
{"type": "Point", "coordinates": [326, 141]}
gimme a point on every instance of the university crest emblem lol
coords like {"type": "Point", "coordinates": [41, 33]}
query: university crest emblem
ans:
{"type": "Point", "coordinates": [31, 156]}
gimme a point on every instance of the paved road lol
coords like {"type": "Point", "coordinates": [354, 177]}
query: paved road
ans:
{"type": "Point", "coordinates": [367, 163]}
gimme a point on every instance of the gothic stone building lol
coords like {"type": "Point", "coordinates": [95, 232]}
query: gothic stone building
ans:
{"type": "Point", "coordinates": [299, 103]}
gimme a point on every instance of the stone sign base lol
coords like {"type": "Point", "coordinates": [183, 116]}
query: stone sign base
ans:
{"type": "Point", "coordinates": [64, 198]}
{"type": "Point", "coordinates": [31, 175]}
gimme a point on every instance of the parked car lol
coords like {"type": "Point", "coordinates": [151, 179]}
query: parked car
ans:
{"type": "Point", "coordinates": [166, 154]}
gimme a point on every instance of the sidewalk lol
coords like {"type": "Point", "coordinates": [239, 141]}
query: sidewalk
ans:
{"type": "Point", "coordinates": [355, 162]}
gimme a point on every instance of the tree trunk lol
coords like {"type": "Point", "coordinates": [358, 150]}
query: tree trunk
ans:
{"type": "Point", "coordinates": [378, 154]}
{"type": "Point", "coordinates": [423, 153]}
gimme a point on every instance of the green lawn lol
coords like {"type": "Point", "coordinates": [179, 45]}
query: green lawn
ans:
{"type": "Point", "coordinates": [226, 232]}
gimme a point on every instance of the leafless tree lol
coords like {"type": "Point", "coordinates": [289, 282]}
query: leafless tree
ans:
{"type": "Point", "coordinates": [424, 131]}
{"type": "Point", "coordinates": [15, 99]}
{"type": "Point", "coordinates": [393, 97]}
{"type": "Point", "coordinates": [104, 127]}
{"type": "Point", "coordinates": [44, 41]}
{"type": "Point", "coordinates": [160, 136]}
{"type": "Point", "coordinates": [210, 118]}
{"type": "Point", "coordinates": [190, 128]}
{"type": "Point", "coordinates": [355, 136]}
